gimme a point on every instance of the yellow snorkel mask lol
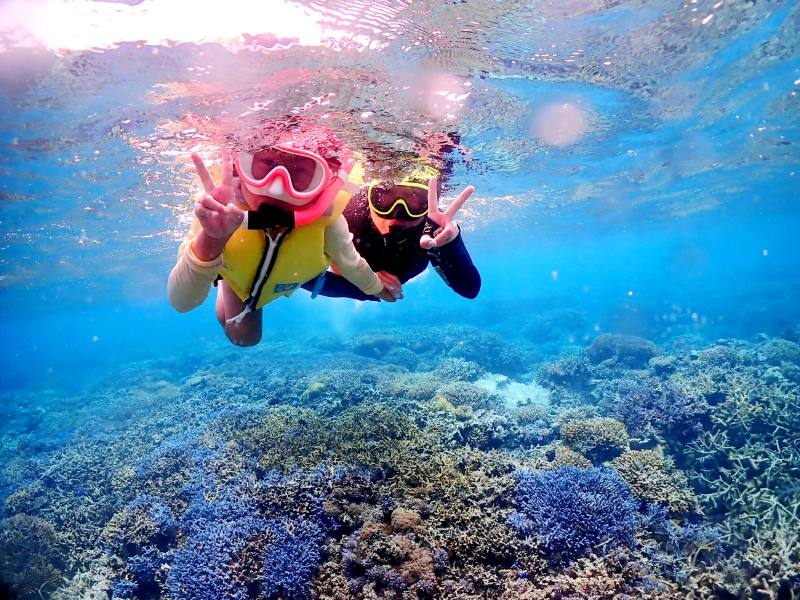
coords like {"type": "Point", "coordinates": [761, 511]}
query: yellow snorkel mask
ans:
{"type": "Point", "coordinates": [385, 201]}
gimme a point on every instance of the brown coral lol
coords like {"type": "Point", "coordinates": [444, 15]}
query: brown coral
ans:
{"type": "Point", "coordinates": [653, 480]}
{"type": "Point", "coordinates": [567, 457]}
{"type": "Point", "coordinates": [598, 436]}
{"type": "Point", "coordinates": [407, 520]}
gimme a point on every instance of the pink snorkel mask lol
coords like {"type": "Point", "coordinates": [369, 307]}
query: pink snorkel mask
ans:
{"type": "Point", "coordinates": [295, 176]}
{"type": "Point", "coordinates": [285, 173]}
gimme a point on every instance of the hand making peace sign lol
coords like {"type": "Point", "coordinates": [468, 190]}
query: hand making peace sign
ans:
{"type": "Point", "coordinates": [215, 210]}
{"type": "Point", "coordinates": [448, 229]}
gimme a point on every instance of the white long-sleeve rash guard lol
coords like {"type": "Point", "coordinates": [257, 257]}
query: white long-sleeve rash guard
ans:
{"type": "Point", "coordinates": [191, 279]}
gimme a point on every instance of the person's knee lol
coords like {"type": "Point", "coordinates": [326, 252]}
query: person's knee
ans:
{"type": "Point", "coordinates": [243, 336]}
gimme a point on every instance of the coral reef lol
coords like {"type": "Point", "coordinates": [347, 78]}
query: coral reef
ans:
{"type": "Point", "coordinates": [31, 559]}
{"type": "Point", "coordinates": [389, 560]}
{"type": "Point", "coordinates": [457, 369]}
{"type": "Point", "coordinates": [403, 357]}
{"type": "Point", "coordinates": [571, 371]}
{"type": "Point", "coordinates": [652, 406]}
{"type": "Point", "coordinates": [490, 350]}
{"type": "Point", "coordinates": [653, 480]}
{"type": "Point", "coordinates": [628, 349]}
{"type": "Point", "coordinates": [600, 437]}
{"type": "Point", "coordinates": [572, 511]}
{"type": "Point", "coordinates": [564, 456]}
{"type": "Point", "coordinates": [280, 475]}
{"type": "Point", "coordinates": [461, 393]}
{"type": "Point", "coordinates": [559, 325]}
{"type": "Point", "coordinates": [662, 364]}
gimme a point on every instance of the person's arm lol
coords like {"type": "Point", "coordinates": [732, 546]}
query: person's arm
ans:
{"type": "Point", "coordinates": [200, 254]}
{"type": "Point", "coordinates": [339, 247]}
{"type": "Point", "coordinates": [454, 264]}
{"type": "Point", "coordinates": [191, 278]}
{"type": "Point", "coordinates": [336, 286]}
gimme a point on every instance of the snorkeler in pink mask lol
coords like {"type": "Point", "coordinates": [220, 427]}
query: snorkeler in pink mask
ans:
{"type": "Point", "coordinates": [265, 232]}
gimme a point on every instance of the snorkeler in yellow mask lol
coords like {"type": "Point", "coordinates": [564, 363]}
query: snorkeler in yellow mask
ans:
{"type": "Point", "coordinates": [399, 229]}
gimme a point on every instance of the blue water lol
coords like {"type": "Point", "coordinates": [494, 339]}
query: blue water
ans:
{"type": "Point", "coordinates": [636, 167]}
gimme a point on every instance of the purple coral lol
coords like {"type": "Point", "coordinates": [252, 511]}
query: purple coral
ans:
{"type": "Point", "coordinates": [202, 568]}
{"type": "Point", "coordinates": [291, 560]}
{"type": "Point", "coordinates": [664, 407]}
{"type": "Point", "coordinates": [572, 511]}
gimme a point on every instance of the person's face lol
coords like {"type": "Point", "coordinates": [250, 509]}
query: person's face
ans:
{"type": "Point", "coordinates": [253, 201]}
{"type": "Point", "coordinates": [415, 198]}
{"type": "Point", "coordinates": [301, 171]}
{"type": "Point", "coordinates": [301, 168]}
{"type": "Point", "coordinates": [383, 225]}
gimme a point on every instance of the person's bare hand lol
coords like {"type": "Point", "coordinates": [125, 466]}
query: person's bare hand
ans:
{"type": "Point", "coordinates": [218, 215]}
{"type": "Point", "coordinates": [448, 229]}
{"type": "Point", "coordinates": [386, 295]}
{"type": "Point", "coordinates": [391, 284]}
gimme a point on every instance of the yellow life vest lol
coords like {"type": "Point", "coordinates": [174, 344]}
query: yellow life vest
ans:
{"type": "Point", "coordinates": [300, 257]}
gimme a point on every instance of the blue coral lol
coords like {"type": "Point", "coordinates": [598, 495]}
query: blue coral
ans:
{"type": "Point", "coordinates": [278, 522]}
{"type": "Point", "coordinates": [664, 407]}
{"type": "Point", "coordinates": [123, 589]}
{"type": "Point", "coordinates": [291, 560]}
{"type": "Point", "coordinates": [202, 568]}
{"type": "Point", "coordinates": [571, 511]}
{"type": "Point", "coordinates": [226, 505]}
{"type": "Point", "coordinates": [683, 545]}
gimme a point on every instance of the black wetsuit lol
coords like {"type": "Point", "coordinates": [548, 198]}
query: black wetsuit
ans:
{"type": "Point", "coordinates": [400, 254]}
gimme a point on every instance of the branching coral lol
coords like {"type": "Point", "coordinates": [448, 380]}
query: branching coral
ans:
{"type": "Point", "coordinates": [377, 488]}
{"type": "Point", "coordinates": [655, 406]}
{"type": "Point", "coordinates": [615, 576]}
{"type": "Point", "coordinates": [487, 349]}
{"type": "Point", "coordinates": [778, 351]}
{"type": "Point", "coordinates": [746, 474]}
{"type": "Point", "coordinates": [146, 521]}
{"type": "Point", "coordinates": [202, 568]}
{"type": "Point", "coordinates": [457, 369]}
{"type": "Point", "coordinates": [559, 324]}
{"type": "Point", "coordinates": [403, 357]}
{"type": "Point", "coordinates": [571, 511]}
{"type": "Point", "coordinates": [571, 370]}
{"type": "Point", "coordinates": [567, 457]}
{"type": "Point", "coordinates": [721, 356]}
{"type": "Point", "coordinates": [392, 560]}
{"type": "Point", "coordinates": [461, 393]}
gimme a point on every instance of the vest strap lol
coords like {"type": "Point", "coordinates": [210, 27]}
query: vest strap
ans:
{"type": "Point", "coordinates": [276, 225]}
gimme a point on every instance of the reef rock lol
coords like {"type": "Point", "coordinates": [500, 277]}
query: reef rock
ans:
{"type": "Point", "coordinates": [628, 348]}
